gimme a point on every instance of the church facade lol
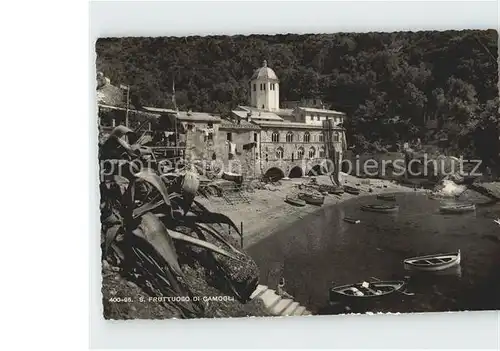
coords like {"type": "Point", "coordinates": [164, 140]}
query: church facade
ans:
{"type": "Point", "coordinates": [291, 142]}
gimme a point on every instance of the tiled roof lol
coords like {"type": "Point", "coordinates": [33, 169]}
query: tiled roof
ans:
{"type": "Point", "coordinates": [285, 112]}
{"type": "Point", "coordinates": [257, 114]}
{"type": "Point", "coordinates": [225, 124]}
{"type": "Point", "coordinates": [138, 112]}
{"type": "Point", "coordinates": [197, 117]}
{"type": "Point", "coordinates": [311, 109]}
{"type": "Point", "coordinates": [158, 110]}
{"type": "Point", "coordinates": [186, 115]}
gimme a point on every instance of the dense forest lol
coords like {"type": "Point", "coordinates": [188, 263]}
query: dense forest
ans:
{"type": "Point", "coordinates": [387, 83]}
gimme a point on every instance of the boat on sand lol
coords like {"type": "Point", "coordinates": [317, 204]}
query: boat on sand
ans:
{"type": "Point", "coordinates": [295, 201]}
{"type": "Point", "coordinates": [431, 263]}
{"type": "Point", "coordinates": [312, 198]}
{"type": "Point", "coordinates": [351, 190]}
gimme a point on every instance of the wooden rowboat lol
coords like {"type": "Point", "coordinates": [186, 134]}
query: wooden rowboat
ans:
{"type": "Point", "coordinates": [386, 197]}
{"type": "Point", "coordinates": [457, 208]}
{"type": "Point", "coordinates": [380, 208]}
{"type": "Point", "coordinates": [365, 290]}
{"type": "Point", "coordinates": [295, 201]}
{"type": "Point", "coordinates": [433, 262]}
{"type": "Point", "coordinates": [331, 189]}
{"type": "Point", "coordinates": [351, 190]}
{"type": "Point", "coordinates": [311, 198]}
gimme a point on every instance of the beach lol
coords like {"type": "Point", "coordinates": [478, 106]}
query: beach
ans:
{"type": "Point", "coordinates": [267, 211]}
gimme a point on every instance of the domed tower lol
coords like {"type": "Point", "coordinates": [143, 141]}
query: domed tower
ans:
{"type": "Point", "coordinates": [264, 89]}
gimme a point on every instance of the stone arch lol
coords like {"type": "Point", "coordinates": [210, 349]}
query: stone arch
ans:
{"type": "Point", "coordinates": [274, 174]}
{"type": "Point", "coordinates": [316, 167]}
{"type": "Point", "coordinates": [296, 172]}
{"type": "Point", "coordinates": [315, 171]}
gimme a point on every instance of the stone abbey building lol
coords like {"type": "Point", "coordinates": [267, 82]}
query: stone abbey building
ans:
{"type": "Point", "coordinates": [259, 139]}
{"type": "Point", "coordinates": [290, 141]}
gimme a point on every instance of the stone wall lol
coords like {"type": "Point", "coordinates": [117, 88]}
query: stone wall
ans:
{"type": "Point", "coordinates": [199, 146]}
{"type": "Point", "coordinates": [246, 155]}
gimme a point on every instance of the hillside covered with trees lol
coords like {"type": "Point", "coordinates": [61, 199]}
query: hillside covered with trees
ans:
{"type": "Point", "coordinates": [387, 83]}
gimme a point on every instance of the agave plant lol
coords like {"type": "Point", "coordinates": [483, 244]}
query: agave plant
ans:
{"type": "Point", "coordinates": [150, 220]}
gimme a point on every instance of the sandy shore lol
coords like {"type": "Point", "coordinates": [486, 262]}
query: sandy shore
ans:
{"type": "Point", "coordinates": [267, 212]}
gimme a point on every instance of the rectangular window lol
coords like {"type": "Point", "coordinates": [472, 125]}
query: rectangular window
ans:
{"type": "Point", "coordinates": [264, 86]}
{"type": "Point", "coordinates": [255, 137]}
{"type": "Point", "coordinates": [229, 136]}
{"type": "Point", "coordinates": [254, 87]}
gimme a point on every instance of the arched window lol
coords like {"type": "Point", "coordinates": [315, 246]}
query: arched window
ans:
{"type": "Point", "coordinates": [289, 137]}
{"type": "Point", "coordinates": [312, 152]}
{"type": "Point", "coordinates": [300, 153]}
{"type": "Point", "coordinates": [279, 153]}
{"type": "Point", "coordinates": [307, 137]}
{"type": "Point", "coordinates": [275, 137]}
{"type": "Point", "coordinates": [322, 152]}
{"type": "Point", "coordinates": [321, 138]}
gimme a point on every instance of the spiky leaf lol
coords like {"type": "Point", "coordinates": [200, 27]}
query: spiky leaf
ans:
{"type": "Point", "coordinates": [200, 243]}
{"type": "Point", "coordinates": [157, 235]}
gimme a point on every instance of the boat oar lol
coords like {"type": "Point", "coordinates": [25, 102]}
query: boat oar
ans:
{"type": "Point", "coordinates": [399, 291]}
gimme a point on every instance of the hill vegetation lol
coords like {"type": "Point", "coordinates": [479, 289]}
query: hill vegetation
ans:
{"type": "Point", "coordinates": [387, 83]}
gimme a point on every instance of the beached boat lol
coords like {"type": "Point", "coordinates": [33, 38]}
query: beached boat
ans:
{"type": "Point", "coordinates": [351, 220]}
{"type": "Point", "coordinates": [433, 262]}
{"type": "Point", "coordinates": [331, 189]}
{"type": "Point", "coordinates": [312, 198]}
{"type": "Point", "coordinates": [351, 190]}
{"type": "Point", "coordinates": [365, 290]}
{"type": "Point", "coordinates": [386, 197]}
{"type": "Point", "coordinates": [457, 208]}
{"type": "Point", "coordinates": [295, 201]}
{"type": "Point", "coordinates": [380, 208]}
{"type": "Point", "coordinates": [234, 177]}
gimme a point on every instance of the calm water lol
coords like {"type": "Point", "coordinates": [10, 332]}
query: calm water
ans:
{"type": "Point", "coordinates": [322, 249]}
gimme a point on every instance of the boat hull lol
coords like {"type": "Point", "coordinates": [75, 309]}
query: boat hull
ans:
{"type": "Point", "coordinates": [311, 199]}
{"type": "Point", "coordinates": [426, 263]}
{"type": "Point", "coordinates": [386, 197]}
{"type": "Point", "coordinates": [457, 209]}
{"type": "Point", "coordinates": [341, 293]}
{"type": "Point", "coordinates": [380, 209]}
{"type": "Point", "coordinates": [295, 202]}
{"type": "Point", "coordinates": [352, 191]}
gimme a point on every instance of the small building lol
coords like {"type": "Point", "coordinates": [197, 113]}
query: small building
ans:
{"type": "Point", "coordinates": [239, 146]}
